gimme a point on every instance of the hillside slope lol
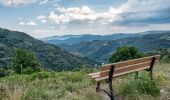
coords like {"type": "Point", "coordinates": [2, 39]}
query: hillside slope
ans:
{"type": "Point", "coordinates": [72, 39]}
{"type": "Point", "coordinates": [50, 56]}
{"type": "Point", "coordinates": [101, 49]}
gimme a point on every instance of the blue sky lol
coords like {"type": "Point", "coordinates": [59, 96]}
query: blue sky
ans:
{"type": "Point", "coordinates": [44, 18]}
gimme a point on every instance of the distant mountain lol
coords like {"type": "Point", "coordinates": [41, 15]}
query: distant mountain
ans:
{"type": "Point", "coordinates": [72, 39]}
{"type": "Point", "coordinates": [49, 55]}
{"type": "Point", "coordinates": [100, 50]}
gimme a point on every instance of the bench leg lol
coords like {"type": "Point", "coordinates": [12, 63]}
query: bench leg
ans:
{"type": "Point", "coordinates": [151, 67]}
{"type": "Point", "coordinates": [109, 81]}
{"type": "Point", "coordinates": [151, 75]}
{"type": "Point", "coordinates": [111, 91]}
{"type": "Point", "coordinates": [98, 87]}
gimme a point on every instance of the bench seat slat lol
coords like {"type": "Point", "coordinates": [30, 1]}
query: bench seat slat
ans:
{"type": "Point", "coordinates": [120, 74]}
{"type": "Point", "coordinates": [129, 62]}
{"type": "Point", "coordinates": [126, 68]}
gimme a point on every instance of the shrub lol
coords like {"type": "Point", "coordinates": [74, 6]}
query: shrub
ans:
{"type": "Point", "coordinates": [24, 59]}
{"type": "Point", "coordinates": [74, 77]}
{"type": "Point", "coordinates": [28, 71]}
{"type": "Point", "coordinates": [4, 72]}
{"type": "Point", "coordinates": [125, 53]}
{"type": "Point", "coordinates": [140, 86]}
{"type": "Point", "coordinates": [40, 75]}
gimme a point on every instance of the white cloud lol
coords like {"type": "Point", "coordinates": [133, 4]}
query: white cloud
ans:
{"type": "Point", "coordinates": [83, 13]}
{"type": "Point", "coordinates": [30, 23]}
{"type": "Point", "coordinates": [21, 23]}
{"type": "Point", "coordinates": [16, 2]}
{"type": "Point", "coordinates": [41, 17]}
{"type": "Point", "coordinates": [136, 12]}
{"type": "Point", "coordinates": [43, 21]}
{"type": "Point", "coordinates": [20, 18]}
{"type": "Point", "coordinates": [44, 2]}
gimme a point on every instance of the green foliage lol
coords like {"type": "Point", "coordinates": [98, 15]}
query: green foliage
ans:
{"type": "Point", "coordinates": [125, 53]}
{"type": "Point", "coordinates": [40, 75]}
{"type": "Point", "coordinates": [50, 56]}
{"type": "Point", "coordinates": [78, 85]}
{"type": "Point", "coordinates": [138, 87]}
{"type": "Point", "coordinates": [24, 60]}
{"type": "Point", "coordinates": [165, 55]}
{"type": "Point", "coordinates": [4, 72]}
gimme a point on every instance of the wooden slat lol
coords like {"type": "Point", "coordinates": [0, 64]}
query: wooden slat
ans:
{"type": "Point", "coordinates": [129, 62]}
{"type": "Point", "coordinates": [120, 74]}
{"type": "Point", "coordinates": [125, 69]}
{"type": "Point", "coordinates": [94, 75]}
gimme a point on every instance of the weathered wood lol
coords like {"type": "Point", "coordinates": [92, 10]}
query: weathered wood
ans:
{"type": "Point", "coordinates": [129, 62]}
{"type": "Point", "coordinates": [128, 68]}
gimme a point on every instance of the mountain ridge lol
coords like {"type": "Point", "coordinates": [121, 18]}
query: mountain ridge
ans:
{"type": "Point", "coordinates": [49, 55]}
{"type": "Point", "coordinates": [100, 50]}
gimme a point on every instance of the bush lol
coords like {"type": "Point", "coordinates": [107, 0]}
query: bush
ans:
{"type": "Point", "coordinates": [4, 72]}
{"type": "Point", "coordinates": [40, 75]}
{"type": "Point", "coordinates": [140, 86]}
{"type": "Point", "coordinates": [28, 71]}
{"type": "Point", "coordinates": [125, 53]}
{"type": "Point", "coordinates": [74, 77]}
{"type": "Point", "coordinates": [24, 59]}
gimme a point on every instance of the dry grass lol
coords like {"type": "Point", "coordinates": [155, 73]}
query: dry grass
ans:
{"type": "Point", "coordinates": [76, 86]}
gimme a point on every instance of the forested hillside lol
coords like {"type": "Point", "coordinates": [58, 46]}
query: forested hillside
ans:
{"type": "Point", "coordinates": [72, 39]}
{"type": "Point", "coordinates": [50, 56]}
{"type": "Point", "coordinates": [100, 50]}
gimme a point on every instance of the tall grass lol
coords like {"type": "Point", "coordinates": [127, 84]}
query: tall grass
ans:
{"type": "Point", "coordinates": [78, 86]}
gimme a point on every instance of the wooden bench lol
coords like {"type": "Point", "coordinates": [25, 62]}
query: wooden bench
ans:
{"type": "Point", "coordinates": [110, 71]}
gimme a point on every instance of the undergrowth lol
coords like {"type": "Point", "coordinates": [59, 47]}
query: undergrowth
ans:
{"type": "Point", "coordinates": [79, 86]}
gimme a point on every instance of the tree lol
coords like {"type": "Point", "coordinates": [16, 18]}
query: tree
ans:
{"type": "Point", "coordinates": [125, 53]}
{"type": "Point", "coordinates": [3, 72]}
{"type": "Point", "coordinates": [24, 61]}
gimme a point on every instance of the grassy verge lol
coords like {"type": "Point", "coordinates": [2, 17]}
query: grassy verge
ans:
{"type": "Point", "coordinates": [78, 86]}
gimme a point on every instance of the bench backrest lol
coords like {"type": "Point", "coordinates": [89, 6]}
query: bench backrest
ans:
{"type": "Point", "coordinates": [126, 67]}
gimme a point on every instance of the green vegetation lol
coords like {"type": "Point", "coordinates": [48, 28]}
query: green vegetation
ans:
{"type": "Point", "coordinates": [50, 56]}
{"type": "Point", "coordinates": [4, 72]}
{"type": "Point", "coordinates": [25, 62]}
{"type": "Point", "coordinates": [28, 82]}
{"type": "Point", "coordinates": [125, 53]}
{"type": "Point", "coordinates": [78, 85]}
{"type": "Point", "coordinates": [165, 55]}
{"type": "Point", "coordinates": [100, 50]}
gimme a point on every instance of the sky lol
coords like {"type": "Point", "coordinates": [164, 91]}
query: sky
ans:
{"type": "Point", "coordinates": [45, 18]}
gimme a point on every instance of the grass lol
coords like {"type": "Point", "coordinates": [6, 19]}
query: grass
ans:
{"type": "Point", "coordinates": [78, 86]}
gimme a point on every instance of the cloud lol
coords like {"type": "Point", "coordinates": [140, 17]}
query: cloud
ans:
{"type": "Point", "coordinates": [41, 17]}
{"type": "Point", "coordinates": [20, 18]}
{"type": "Point", "coordinates": [43, 21]}
{"type": "Point", "coordinates": [131, 13]}
{"type": "Point", "coordinates": [30, 23]}
{"type": "Point", "coordinates": [43, 2]}
{"type": "Point", "coordinates": [144, 12]}
{"type": "Point", "coordinates": [17, 2]}
{"type": "Point", "coordinates": [21, 23]}
{"type": "Point", "coordinates": [83, 13]}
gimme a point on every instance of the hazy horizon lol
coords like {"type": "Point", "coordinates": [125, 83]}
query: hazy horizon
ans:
{"type": "Point", "coordinates": [45, 18]}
